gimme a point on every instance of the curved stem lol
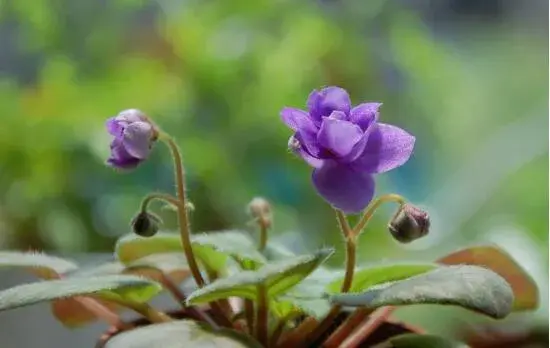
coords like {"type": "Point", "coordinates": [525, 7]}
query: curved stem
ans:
{"type": "Point", "coordinates": [158, 196]}
{"type": "Point", "coordinates": [343, 223]}
{"type": "Point", "coordinates": [182, 211]}
{"type": "Point", "coordinates": [351, 259]}
{"type": "Point", "coordinates": [262, 316]}
{"type": "Point", "coordinates": [373, 206]}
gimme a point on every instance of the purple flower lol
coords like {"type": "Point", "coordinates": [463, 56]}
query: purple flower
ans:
{"type": "Point", "coordinates": [345, 145]}
{"type": "Point", "coordinates": [133, 138]}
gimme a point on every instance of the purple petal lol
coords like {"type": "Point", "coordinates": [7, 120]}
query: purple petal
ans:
{"type": "Point", "coordinates": [137, 139]}
{"type": "Point", "coordinates": [297, 148]}
{"type": "Point", "coordinates": [114, 127]}
{"type": "Point", "coordinates": [388, 147]}
{"type": "Point", "coordinates": [297, 119]}
{"type": "Point", "coordinates": [344, 188]}
{"type": "Point", "coordinates": [339, 137]}
{"type": "Point", "coordinates": [339, 115]}
{"type": "Point", "coordinates": [365, 115]}
{"type": "Point", "coordinates": [324, 102]}
{"type": "Point", "coordinates": [120, 158]}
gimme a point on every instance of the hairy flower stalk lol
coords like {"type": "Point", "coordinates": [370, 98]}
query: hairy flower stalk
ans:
{"type": "Point", "coordinates": [351, 236]}
{"type": "Point", "coordinates": [183, 218]}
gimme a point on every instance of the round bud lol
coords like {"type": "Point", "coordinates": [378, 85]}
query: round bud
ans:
{"type": "Point", "coordinates": [145, 224]}
{"type": "Point", "coordinates": [260, 209]}
{"type": "Point", "coordinates": [409, 223]}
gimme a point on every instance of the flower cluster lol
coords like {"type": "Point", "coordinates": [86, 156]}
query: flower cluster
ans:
{"type": "Point", "coordinates": [345, 145]}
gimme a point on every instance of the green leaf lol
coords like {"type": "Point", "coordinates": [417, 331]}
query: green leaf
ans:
{"type": "Point", "coordinates": [214, 249]}
{"type": "Point", "coordinates": [132, 247]}
{"type": "Point", "coordinates": [42, 265]}
{"type": "Point", "coordinates": [174, 265]}
{"type": "Point", "coordinates": [471, 287]}
{"type": "Point", "coordinates": [177, 334]}
{"type": "Point", "coordinates": [368, 277]}
{"type": "Point", "coordinates": [307, 297]}
{"type": "Point", "coordinates": [526, 293]}
{"type": "Point", "coordinates": [420, 341]}
{"type": "Point", "coordinates": [277, 277]}
{"type": "Point", "coordinates": [72, 313]}
{"type": "Point", "coordinates": [109, 287]}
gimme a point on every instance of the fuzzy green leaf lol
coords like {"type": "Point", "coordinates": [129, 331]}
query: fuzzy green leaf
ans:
{"type": "Point", "coordinates": [213, 249]}
{"type": "Point", "coordinates": [109, 287]}
{"type": "Point", "coordinates": [42, 265]}
{"type": "Point", "coordinates": [183, 333]}
{"type": "Point", "coordinates": [526, 293]}
{"type": "Point", "coordinates": [368, 277]}
{"type": "Point", "coordinates": [471, 287]}
{"type": "Point", "coordinates": [277, 277]}
{"type": "Point", "coordinates": [132, 247]}
{"type": "Point", "coordinates": [420, 341]}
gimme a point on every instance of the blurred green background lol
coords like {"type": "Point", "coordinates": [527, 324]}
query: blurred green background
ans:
{"type": "Point", "coordinates": [468, 78]}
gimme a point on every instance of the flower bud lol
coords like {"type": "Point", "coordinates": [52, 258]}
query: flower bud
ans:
{"type": "Point", "coordinates": [260, 209]}
{"type": "Point", "coordinates": [145, 224]}
{"type": "Point", "coordinates": [409, 223]}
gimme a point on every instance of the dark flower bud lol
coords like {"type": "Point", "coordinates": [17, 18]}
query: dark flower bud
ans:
{"type": "Point", "coordinates": [409, 223]}
{"type": "Point", "coordinates": [260, 209]}
{"type": "Point", "coordinates": [145, 224]}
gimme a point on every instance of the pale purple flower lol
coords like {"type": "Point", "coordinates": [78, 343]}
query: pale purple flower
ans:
{"type": "Point", "coordinates": [345, 145]}
{"type": "Point", "coordinates": [133, 138]}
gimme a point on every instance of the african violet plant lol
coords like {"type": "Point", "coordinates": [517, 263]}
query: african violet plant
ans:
{"type": "Point", "coordinates": [239, 293]}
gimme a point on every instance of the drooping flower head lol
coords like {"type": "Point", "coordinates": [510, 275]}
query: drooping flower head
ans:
{"type": "Point", "coordinates": [345, 145]}
{"type": "Point", "coordinates": [133, 138]}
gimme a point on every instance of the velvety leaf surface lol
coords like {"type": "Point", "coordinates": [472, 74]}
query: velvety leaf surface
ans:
{"type": "Point", "coordinates": [42, 265]}
{"type": "Point", "coordinates": [213, 249]}
{"type": "Point", "coordinates": [420, 341]}
{"type": "Point", "coordinates": [110, 287]}
{"type": "Point", "coordinates": [526, 293]}
{"type": "Point", "coordinates": [177, 334]}
{"type": "Point", "coordinates": [174, 265]}
{"type": "Point", "coordinates": [471, 287]}
{"type": "Point", "coordinates": [278, 277]}
{"type": "Point", "coordinates": [307, 297]}
{"type": "Point", "coordinates": [368, 277]}
{"type": "Point", "coordinates": [132, 247]}
{"type": "Point", "coordinates": [72, 313]}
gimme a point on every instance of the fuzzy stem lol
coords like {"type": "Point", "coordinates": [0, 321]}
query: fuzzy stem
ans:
{"type": "Point", "coordinates": [249, 315]}
{"type": "Point", "coordinates": [263, 237]}
{"type": "Point", "coordinates": [351, 257]}
{"type": "Point", "coordinates": [373, 206]}
{"type": "Point", "coordinates": [262, 317]}
{"type": "Point", "coordinates": [180, 297]}
{"type": "Point", "coordinates": [158, 196]}
{"type": "Point", "coordinates": [182, 211]}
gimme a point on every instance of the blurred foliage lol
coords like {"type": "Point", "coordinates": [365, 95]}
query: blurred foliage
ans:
{"type": "Point", "coordinates": [216, 73]}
